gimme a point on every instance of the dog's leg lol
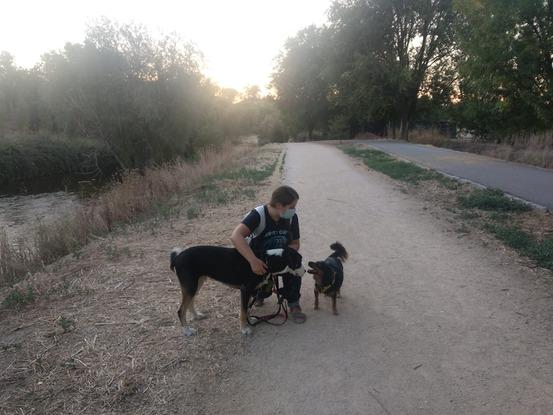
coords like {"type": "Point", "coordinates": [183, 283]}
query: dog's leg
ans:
{"type": "Point", "coordinates": [316, 299]}
{"type": "Point", "coordinates": [244, 299]}
{"type": "Point", "coordinates": [196, 315]}
{"type": "Point", "coordinates": [334, 311]}
{"type": "Point", "coordinates": [186, 300]}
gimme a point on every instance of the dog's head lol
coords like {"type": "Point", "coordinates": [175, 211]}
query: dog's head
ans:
{"type": "Point", "coordinates": [283, 260]}
{"type": "Point", "coordinates": [322, 273]}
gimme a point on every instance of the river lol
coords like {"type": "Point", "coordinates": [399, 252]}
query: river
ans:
{"type": "Point", "coordinates": [21, 214]}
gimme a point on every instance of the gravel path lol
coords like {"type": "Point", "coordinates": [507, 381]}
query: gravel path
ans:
{"type": "Point", "coordinates": [430, 323]}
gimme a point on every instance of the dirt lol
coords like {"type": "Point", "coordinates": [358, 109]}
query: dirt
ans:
{"type": "Point", "coordinates": [103, 334]}
{"type": "Point", "coordinates": [431, 320]}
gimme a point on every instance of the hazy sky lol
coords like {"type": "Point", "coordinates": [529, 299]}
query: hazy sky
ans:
{"type": "Point", "coordinates": [239, 39]}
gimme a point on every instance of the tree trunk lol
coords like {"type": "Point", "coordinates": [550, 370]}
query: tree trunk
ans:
{"type": "Point", "coordinates": [404, 126]}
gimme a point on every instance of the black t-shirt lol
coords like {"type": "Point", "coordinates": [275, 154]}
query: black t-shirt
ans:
{"type": "Point", "coordinates": [277, 234]}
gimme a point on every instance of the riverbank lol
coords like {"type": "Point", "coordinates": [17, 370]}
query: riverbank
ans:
{"type": "Point", "coordinates": [135, 197]}
{"type": "Point", "coordinates": [43, 163]}
{"type": "Point", "coordinates": [101, 332]}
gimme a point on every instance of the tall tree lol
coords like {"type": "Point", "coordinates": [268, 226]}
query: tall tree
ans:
{"type": "Point", "coordinates": [390, 47]}
{"type": "Point", "coordinates": [300, 82]}
{"type": "Point", "coordinates": [507, 66]}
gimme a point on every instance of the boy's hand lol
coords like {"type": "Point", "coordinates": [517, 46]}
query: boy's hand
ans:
{"type": "Point", "coordinates": [258, 266]}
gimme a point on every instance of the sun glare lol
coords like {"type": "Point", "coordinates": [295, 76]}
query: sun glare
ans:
{"type": "Point", "coordinates": [239, 40]}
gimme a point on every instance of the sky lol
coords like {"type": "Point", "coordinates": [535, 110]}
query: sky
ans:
{"type": "Point", "coordinates": [239, 39]}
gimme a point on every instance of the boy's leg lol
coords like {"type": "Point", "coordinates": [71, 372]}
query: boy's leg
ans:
{"type": "Point", "coordinates": [292, 286]}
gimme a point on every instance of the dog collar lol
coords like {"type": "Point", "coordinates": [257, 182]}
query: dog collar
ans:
{"type": "Point", "coordinates": [325, 289]}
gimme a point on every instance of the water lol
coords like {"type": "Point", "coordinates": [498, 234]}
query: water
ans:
{"type": "Point", "coordinates": [21, 214]}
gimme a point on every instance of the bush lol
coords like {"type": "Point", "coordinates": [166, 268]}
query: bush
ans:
{"type": "Point", "coordinates": [39, 160]}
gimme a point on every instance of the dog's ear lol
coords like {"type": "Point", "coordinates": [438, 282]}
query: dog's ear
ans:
{"type": "Point", "coordinates": [312, 264]}
{"type": "Point", "coordinates": [275, 263]}
{"type": "Point", "coordinates": [293, 254]}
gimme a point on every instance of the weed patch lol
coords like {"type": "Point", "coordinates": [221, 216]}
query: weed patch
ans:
{"type": "Point", "coordinates": [396, 169]}
{"type": "Point", "coordinates": [513, 236]}
{"type": "Point", "coordinates": [491, 199]}
{"type": "Point", "coordinates": [19, 297]}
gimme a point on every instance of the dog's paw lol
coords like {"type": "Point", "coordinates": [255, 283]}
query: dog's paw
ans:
{"type": "Point", "coordinates": [189, 331]}
{"type": "Point", "coordinates": [316, 307]}
{"type": "Point", "coordinates": [247, 331]}
{"type": "Point", "coordinates": [335, 313]}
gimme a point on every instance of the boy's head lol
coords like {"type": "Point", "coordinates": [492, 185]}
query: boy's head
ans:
{"type": "Point", "coordinates": [284, 197]}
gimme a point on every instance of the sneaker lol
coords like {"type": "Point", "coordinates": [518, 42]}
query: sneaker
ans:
{"type": "Point", "coordinates": [297, 315]}
{"type": "Point", "coordinates": [259, 302]}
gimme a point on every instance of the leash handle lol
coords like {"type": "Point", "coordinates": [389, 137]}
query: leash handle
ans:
{"type": "Point", "coordinates": [266, 318]}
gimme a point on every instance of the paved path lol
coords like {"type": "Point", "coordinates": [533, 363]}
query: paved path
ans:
{"type": "Point", "coordinates": [526, 182]}
{"type": "Point", "coordinates": [429, 323]}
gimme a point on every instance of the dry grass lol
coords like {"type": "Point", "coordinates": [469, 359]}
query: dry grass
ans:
{"type": "Point", "coordinates": [102, 335]}
{"type": "Point", "coordinates": [123, 202]}
{"type": "Point", "coordinates": [427, 136]}
{"type": "Point", "coordinates": [535, 149]}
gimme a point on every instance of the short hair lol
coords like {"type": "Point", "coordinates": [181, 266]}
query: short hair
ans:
{"type": "Point", "coordinates": [284, 195]}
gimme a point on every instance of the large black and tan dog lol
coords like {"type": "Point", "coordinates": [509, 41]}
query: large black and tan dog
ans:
{"type": "Point", "coordinates": [329, 274]}
{"type": "Point", "coordinates": [226, 265]}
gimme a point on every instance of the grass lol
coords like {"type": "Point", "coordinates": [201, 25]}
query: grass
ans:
{"type": "Point", "coordinates": [522, 241]}
{"type": "Point", "coordinates": [193, 212]}
{"type": "Point", "coordinates": [535, 149]}
{"type": "Point", "coordinates": [282, 162]}
{"type": "Point", "coordinates": [396, 169]}
{"type": "Point", "coordinates": [428, 136]}
{"type": "Point", "coordinates": [249, 174]}
{"type": "Point", "coordinates": [67, 324]}
{"type": "Point", "coordinates": [19, 297]}
{"type": "Point", "coordinates": [155, 195]}
{"type": "Point", "coordinates": [493, 200]}
{"type": "Point", "coordinates": [215, 192]}
{"type": "Point", "coordinates": [489, 209]}
{"type": "Point", "coordinates": [135, 197]}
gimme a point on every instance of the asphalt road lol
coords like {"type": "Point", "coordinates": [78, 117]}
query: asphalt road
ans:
{"type": "Point", "coordinates": [529, 183]}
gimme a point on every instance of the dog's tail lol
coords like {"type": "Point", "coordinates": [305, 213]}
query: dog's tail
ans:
{"type": "Point", "coordinates": [339, 251]}
{"type": "Point", "coordinates": [174, 254]}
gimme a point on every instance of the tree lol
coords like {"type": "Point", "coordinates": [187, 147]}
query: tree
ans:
{"type": "Point", "coordinates": [389, 48]}
{"type": "Point", "coordinates": [300, 82]}
{"type": "Point", "coordinates": [507, 70]}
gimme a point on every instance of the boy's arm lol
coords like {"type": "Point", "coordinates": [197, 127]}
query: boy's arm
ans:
{"type": "Point", "coordinates": [295, 244]}
{"type": "Point", "coordinates": [295, 233]}
{"type": "Point", "coordinates": [238, 239]}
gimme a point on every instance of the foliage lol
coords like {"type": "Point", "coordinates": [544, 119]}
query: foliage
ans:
{"type": "Point", "coordinates": [506, 73]}
{"type": "Point", "coordinates": [143, 99]}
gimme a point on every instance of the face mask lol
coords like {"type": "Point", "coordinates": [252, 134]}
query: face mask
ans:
{"type": "Point", "coordinates": [288, 214]}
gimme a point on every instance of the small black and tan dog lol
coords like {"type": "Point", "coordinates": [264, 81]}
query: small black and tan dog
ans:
{"type": "Point", "coordinates": [329, 274]}
{"type": "Point", "coordinates": [226, 265]}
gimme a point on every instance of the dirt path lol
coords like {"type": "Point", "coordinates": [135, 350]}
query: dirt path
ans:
{"type": "Point", "coordinates": [430, 323]}
{"type": "Point", "coordinates": [101, 335]}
